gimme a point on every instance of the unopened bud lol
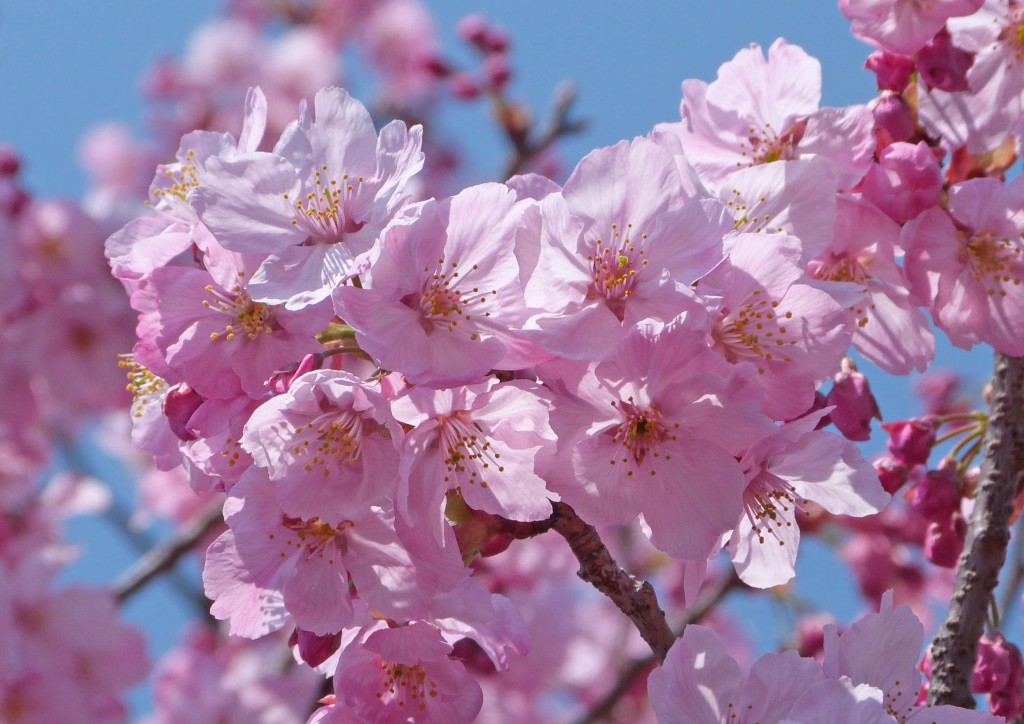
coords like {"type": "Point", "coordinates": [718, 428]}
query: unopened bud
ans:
{"type": "Point", "coordinates": [855, 406]}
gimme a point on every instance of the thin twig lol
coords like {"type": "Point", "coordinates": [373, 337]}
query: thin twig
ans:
{"type": "Point", "coordinates": [638, 667]}
{"type": "Point", "coordinates": [525, 148]}
{"type": "Point", "coordinates": [163, 557]}
{"type": "Point", "coordinates": [634, 597]}
{"type": "Point", "coordinates": [1012, 588]}
{"type": "Point", "coordinates": [955, 647]}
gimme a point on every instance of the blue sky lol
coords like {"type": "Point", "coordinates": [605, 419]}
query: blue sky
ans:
{"type": "Point", "coordinates": [67, 66]}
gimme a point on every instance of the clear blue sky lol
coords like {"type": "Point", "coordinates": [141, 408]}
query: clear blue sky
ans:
{"type": "Point", "coordinates": [67, 65]}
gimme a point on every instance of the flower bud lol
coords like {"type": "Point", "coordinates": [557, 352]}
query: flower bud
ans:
{"type": "Point", "coordinates": [891, 473]}
{"type": "Point", "coordinates": [906, 181]}
{"type": "Point", "coordinates": [999, 665]}
{"type": "Point", "coordinates": [282, 381]}
{"type": "Point", "coordinates": [942, 65]}
{"type": "Point", "coordinates": [944, 542]}
{"type": "Point", "coordinates": [314, 649]}
{"type": "Point", "coordinates": [463, 86]}
{"type": "Point", "coordinates": [937, 496]}
{"type": "Point", "coordinates": [854, 403]}
{"type": "Point", "coordinates": [894, 121]}
{"type": "Point", "coordinates": [498, 70]}
{"type": "Point", "coordinates": [911, 441]}
{"type": "Point", "coordinates": [179, 405]}
{"type": "Point", "coordinates": [892, 70]}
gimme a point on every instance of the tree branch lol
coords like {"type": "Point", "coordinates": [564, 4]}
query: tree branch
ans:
{"type": "Point", "coordinates": [955, 648]}
{"type": "Point", "coordinates": [634, 598]}
{"type": "Point", "coordinates": [524, 147]}
{"type": "Point", "coordinates": [638, 667]}
{"type": "Point", "coordinates": [163, 557]}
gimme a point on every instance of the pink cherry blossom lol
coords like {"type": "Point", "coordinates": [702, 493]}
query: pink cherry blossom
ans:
{"type": "Point", "coordinates": [983, 116]}
{"type": "Point", "coordinates": [700, 684]}
{"type": "Point", "coordinates": [479, 442]}
{"type": "Point", "coordinates": [317, 204]}
{"type": "Point", "coordinates": [393, 674]}
{"type": "Point", "coordinates": [902, 26]}
{"type": "Point", "coordinates": [905, 181]}
{"type": "Point", "coordinates": [760, 313]}
{"type": "Point", "coordinates": [888, 327]}
{"type": "Point", "coordinates": [791, 466]}
{"type": "Point", "coordinates": [329, 443]}
{"type": "Point", "coordinates": [969, 264]}
{"type": "Point", "coordinates": [653, 429]}
{"type": "Point", "coordinates": [621, 243]}
{"type": "Point", "coordinates": [446, 295]}
{"type": "Point", "coordinates": [762, 110]}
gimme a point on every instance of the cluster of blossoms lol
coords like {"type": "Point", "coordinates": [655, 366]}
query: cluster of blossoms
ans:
{"type": "Point", "coordinates": [64, 652]}
{"type": "Point", "coordinates": [383, 383]}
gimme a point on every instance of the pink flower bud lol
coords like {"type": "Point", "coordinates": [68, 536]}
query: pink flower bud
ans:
{"type": "Point", "coordinates": [474, 29]}
{"type": "Point", "coordinates": [999, 666]}
{"type": "Point", "coordinates": [910, 441]}
{"type": "Point", "coordinates": [892, 70]}
{"type": "Point", "coordinates": [894, 120]}
{"type": "Point", "coordinates": [10, 161]}
{"type": "Point", "coordinates": [945, 541]}
{"type": "Point", "coordinates": [810, 634]}
{"type": "Point", "coordinates": [854, 403]}
{"type": "Point", "coordinates": [937, 496]}
{"type": "Point", "coordinates": [313, 649]}
{"type": "Point", "coordinates": [944, 66]}
{"type": "Point", "coordinates": [906, 181]}
{"type": "Point", "coordinates": [498, 70]}
{"type": "Point", "coordinates": [497, 40]}
{"type": "Point", "coordinates": [891, 473]}
{"type": "Point", "coordinates": [179, 405]}
{"type": "Point", "coordinates": [1007, 704]}
{"type": "Point", "coordinates": [463, 86]}
{"type": "Point", "coordinates": [282, 381]}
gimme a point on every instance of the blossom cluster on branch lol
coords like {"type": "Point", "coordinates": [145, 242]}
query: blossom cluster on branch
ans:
{"type": "Point", "coordinates": [425, 407]}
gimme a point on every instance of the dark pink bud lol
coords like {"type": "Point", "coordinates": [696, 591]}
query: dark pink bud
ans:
{"type": "Point", "coordinates": [473, 657]}
{"type": "Point", "coordinates": [498, 71]}
{"type": "Point", "coordinates": [906, 181]}
{"type": "Point", "coordinates": [282, 381]}
{"type": "Point", "coordinates": [894, 120]}
{"type": "Point", "coordinates": [1007, 704]}
{"type": "Point", "coordinates": [463, 86]}
{"type": "Point", "coordinates": [937, 496]}
{"type": "Point", "coordinates": [474, 29]}
{"type": "Point", "coordinates": [313, 649]}
{"type": "Point", "coordinates": [179, 405]}
{"type": "Point", "coordinates": [854, 403]}
{"type": "Point", "coordinates": [10, 161]}
{"type": "Point", "coordinates": [436, 66]}
{"type": "Point", "coordinates": [944, 542]}
{"type": "Point", "coordinates": [999, 666]}
{"type": "Point", "coordinates": [942, 65]}
{"type": "Point", "coordinates": [939, 391]}
{"type": "Point", "coordinates": [810, 634]}
{"type": "Point", "coordinates": [497, 40]}
{"type": "Point", "coordinates": [891, 473]}
{"type": "Point", "coordinates": [910, 441]}
{"type": "Point", "coordinates": [892, 70]}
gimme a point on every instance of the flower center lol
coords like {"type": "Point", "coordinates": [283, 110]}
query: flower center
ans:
{"type": "Point", "coordinates": [402, 684]}
{"type": "Point", "coordinates": [334, 438]}
{"type": "Point", "coordinates": [615, 266]}
{"type": "Point", "coordinates": [143, 384]}
{"type": "Point", "coordinates": [325, 211]}
{"type": "Point", "coordinates": [754, 332]}
{"type": "Point", "coordinates": [641, 434]}
{"type": "Point", "coordinates": [182, 178]}
{"type": "Point", "coordinates": [315, 537]}
{"type": "Point", "coordinates": [468, 451]}
{"type": "Point", "coordinates": [993, 261]}
{"type": "Point", "coordinates": [442, 303]}
{"type": "Point", "coordinates": [248, 318]}
{"type": "Point", "coordinates": [769, 503]}
{"type": "Point", "coordinates": [765, 145]}
{"type": "Point", "coordinates": [844, 268]}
